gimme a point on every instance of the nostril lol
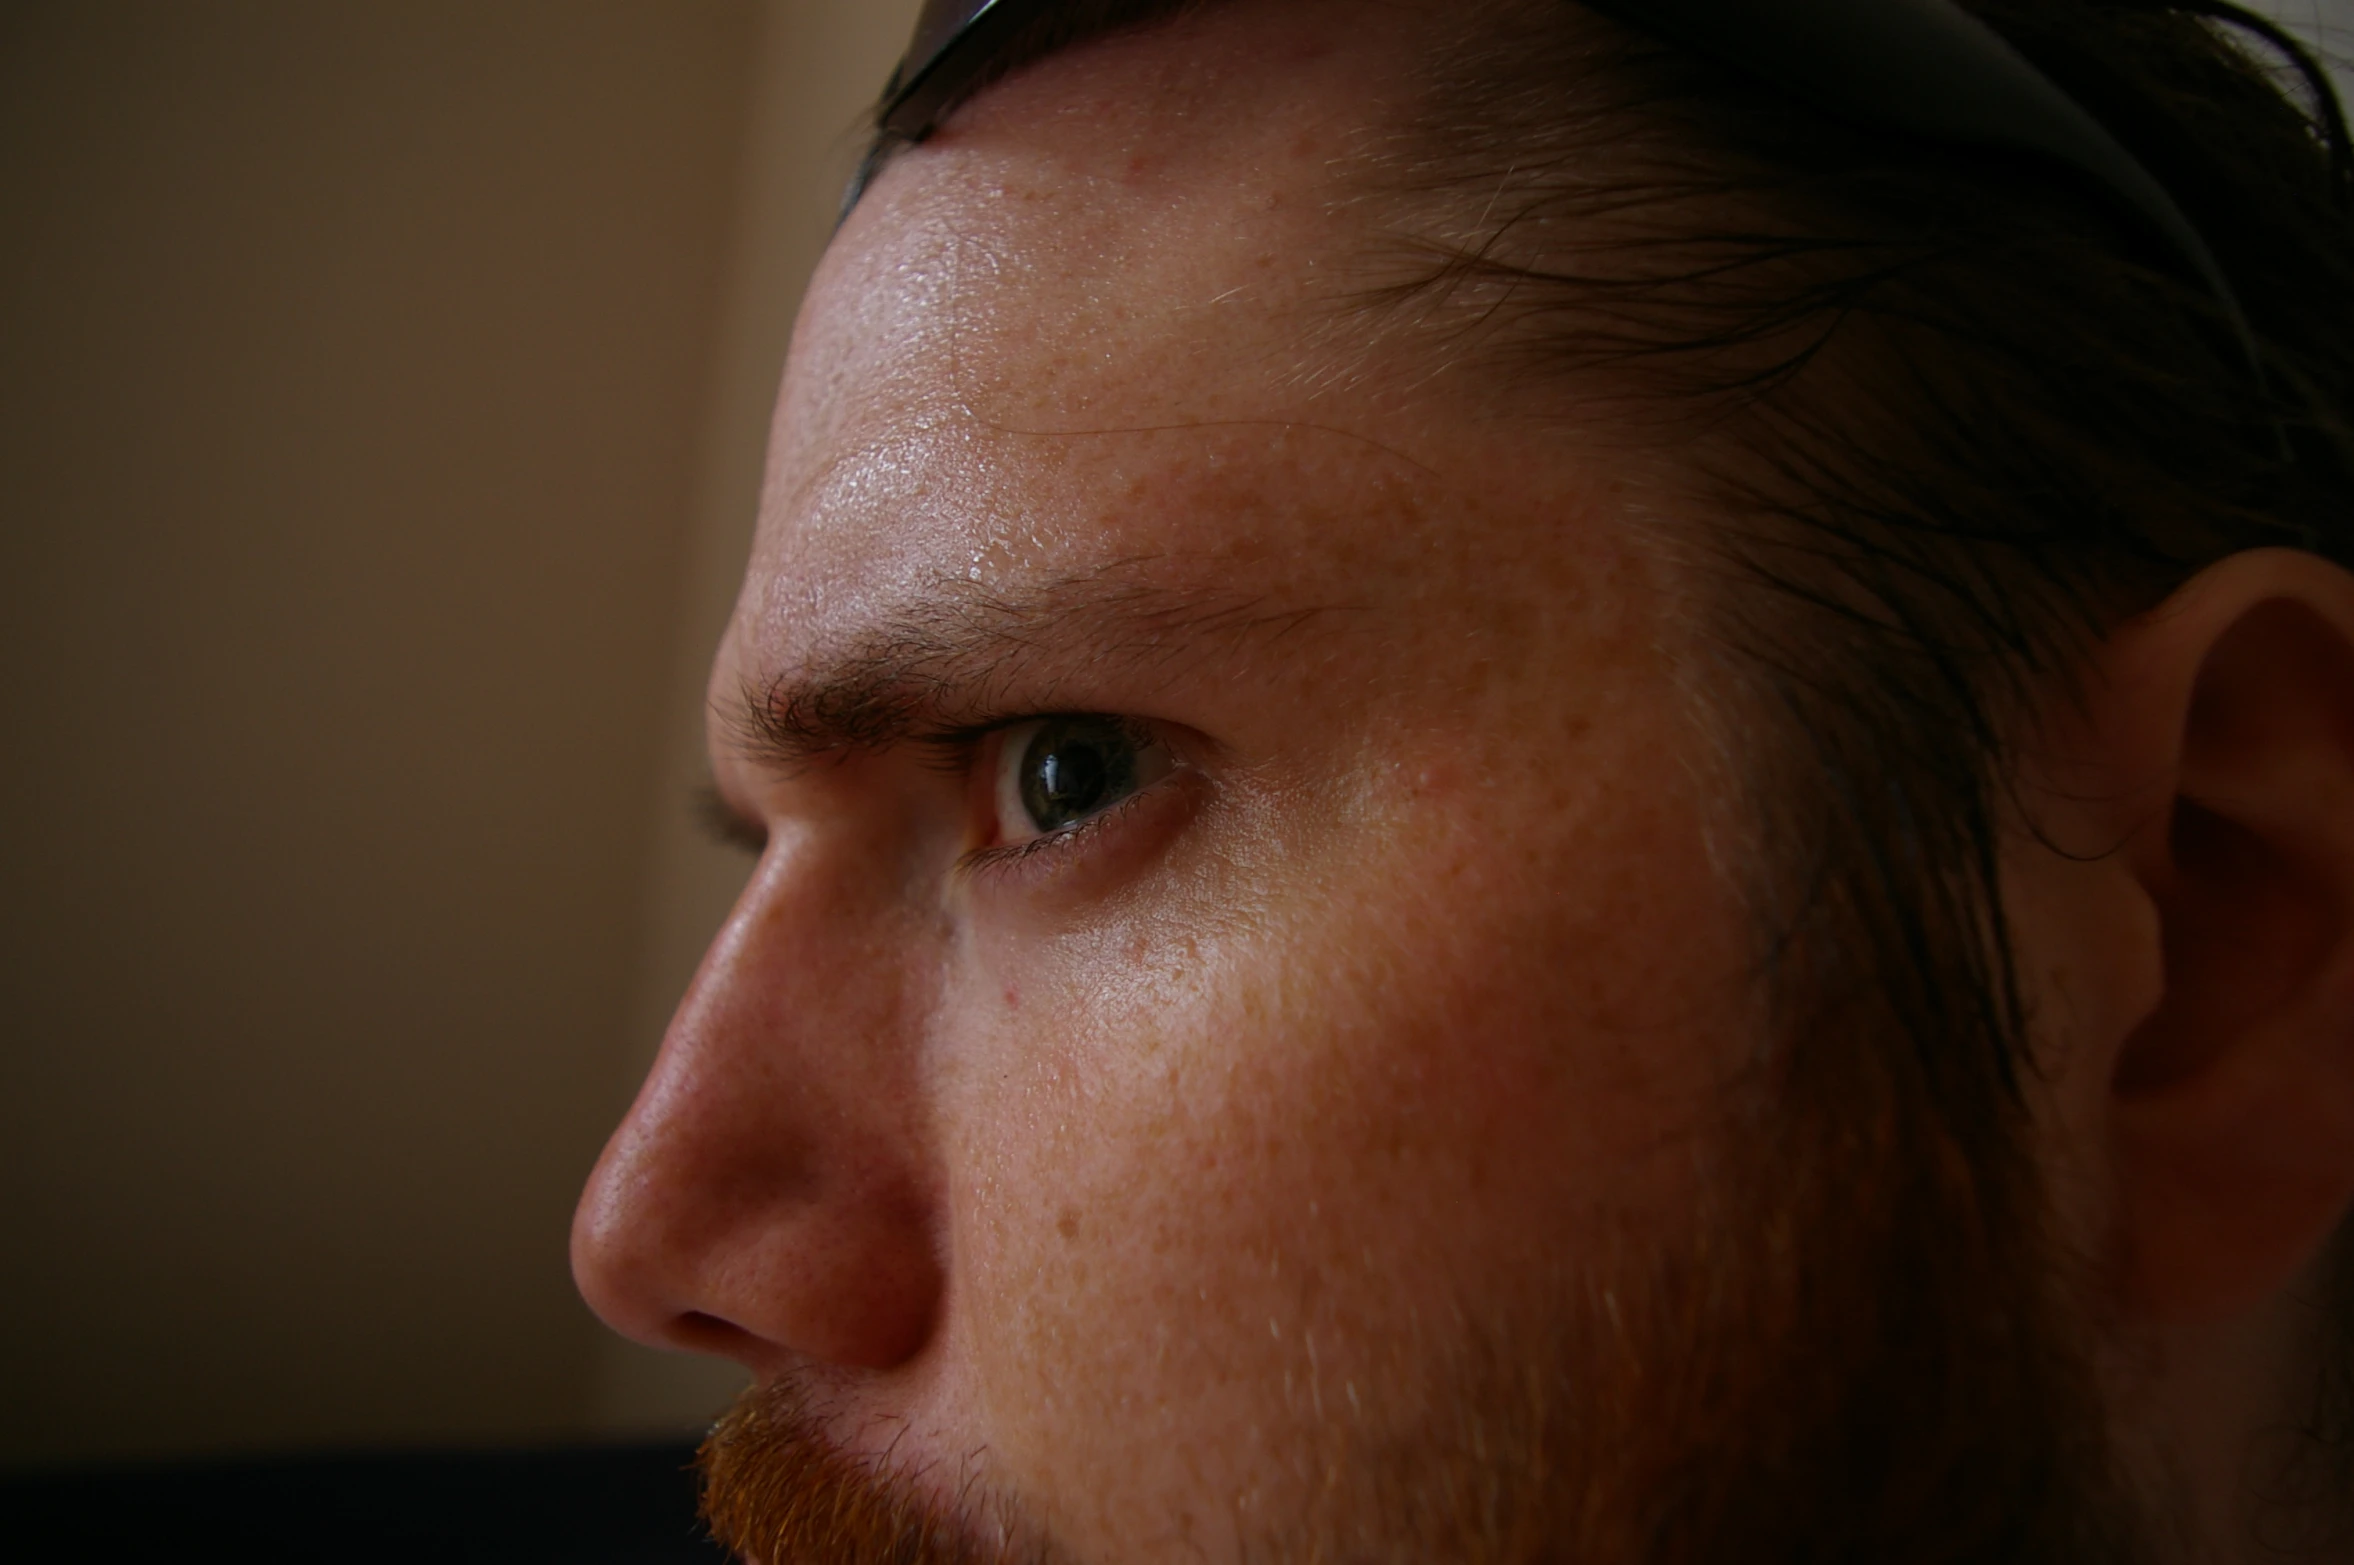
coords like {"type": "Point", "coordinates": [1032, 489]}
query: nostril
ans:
{"type": "Point", "coordinates": [700, 1333]}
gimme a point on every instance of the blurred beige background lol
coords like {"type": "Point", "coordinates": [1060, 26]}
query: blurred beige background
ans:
{"type": "Point", "coordinates": [382, 392]}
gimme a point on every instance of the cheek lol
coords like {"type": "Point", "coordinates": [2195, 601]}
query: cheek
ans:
{"type": "Point", "coordinates": [1217, 1206]}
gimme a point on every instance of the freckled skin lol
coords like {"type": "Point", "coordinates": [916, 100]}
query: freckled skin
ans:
{"type": "Point", "coordinates": [1146, 1187]}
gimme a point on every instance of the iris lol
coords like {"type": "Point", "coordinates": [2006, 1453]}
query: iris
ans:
{"type": "Point", "coordinates": [1073, 767]}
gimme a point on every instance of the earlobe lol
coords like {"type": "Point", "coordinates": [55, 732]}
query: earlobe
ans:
{"type": "Point", "coordinates": [2231, 1103]}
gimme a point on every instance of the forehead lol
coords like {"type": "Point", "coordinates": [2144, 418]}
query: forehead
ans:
{"type": "Point", "coordinates": [1099, 322]}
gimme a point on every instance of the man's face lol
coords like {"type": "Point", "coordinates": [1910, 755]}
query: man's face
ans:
{"type": "Point", "coordinates": [1182, 1125]}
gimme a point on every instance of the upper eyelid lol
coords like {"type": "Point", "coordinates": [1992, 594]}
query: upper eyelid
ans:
{"type": "Point", "coordinates": [948, 749]}
{"type": "Point", "coordinates": [951, 750]}
{"type": "Point", "coordinates": [933, 659]}
{"type": "Point", "coordinates": [724, 824]}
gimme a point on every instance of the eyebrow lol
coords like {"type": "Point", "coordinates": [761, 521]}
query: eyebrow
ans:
{"type": "Point", "coordinates": [956, 657]}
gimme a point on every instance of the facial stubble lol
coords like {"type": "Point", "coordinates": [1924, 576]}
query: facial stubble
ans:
{"type": "Point", "coordinates": [1864, 1345]}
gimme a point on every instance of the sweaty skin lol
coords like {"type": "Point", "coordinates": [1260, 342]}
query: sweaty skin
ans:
{"type": "Point", "coordinates": [1154, 1178]}
{"type": "Point", "coordinates": [1351, 1141]}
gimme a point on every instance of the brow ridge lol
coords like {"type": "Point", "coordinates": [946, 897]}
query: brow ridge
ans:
{"type": "Point", "coordinates": [949, 659]}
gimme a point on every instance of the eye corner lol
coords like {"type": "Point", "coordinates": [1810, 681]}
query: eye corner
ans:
{"type": "Point", "coordinates": [722, 823]}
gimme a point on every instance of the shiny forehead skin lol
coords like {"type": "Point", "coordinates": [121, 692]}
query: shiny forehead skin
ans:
{"type": "Point", "coordinates": [1099, 268]}
{"type": "Point", "coordinates": [1922, 68]}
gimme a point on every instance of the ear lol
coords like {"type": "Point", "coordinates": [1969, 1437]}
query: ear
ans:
{"type": "Point", "coordinates": [2228, 1093]}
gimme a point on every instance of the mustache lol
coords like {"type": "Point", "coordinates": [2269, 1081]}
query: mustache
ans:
{"type": "Point", "coordinates": [777, 1491]}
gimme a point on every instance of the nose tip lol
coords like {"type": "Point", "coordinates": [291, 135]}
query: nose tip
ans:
{"type": "Point", "coordinates": [621, 1268]}
{"type": "Point", "coordinates": [829, 1267]}
{"type": "Point", "coordinates": [768, 1196]}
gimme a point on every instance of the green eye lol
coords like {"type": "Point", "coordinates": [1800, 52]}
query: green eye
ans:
{"type": "Point", "coordinates": [1057, 771]}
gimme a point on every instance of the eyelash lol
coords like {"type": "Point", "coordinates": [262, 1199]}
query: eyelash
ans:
{"type": "Point", "coordinates": [951, 752]}
{"type": "Point", "coordinates": [1011, 858]}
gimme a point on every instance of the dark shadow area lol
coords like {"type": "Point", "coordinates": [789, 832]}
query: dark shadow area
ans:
{"type": "Point", "coordinates": [602, 1505]}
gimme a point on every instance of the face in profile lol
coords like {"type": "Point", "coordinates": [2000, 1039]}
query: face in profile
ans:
{"type": "Point", "coordinates": [1234, 1043]}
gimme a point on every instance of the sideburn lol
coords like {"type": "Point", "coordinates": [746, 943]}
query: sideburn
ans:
{"type": "Point", "coordinates": [1863, 1349]}
{"type": "Point", "coordinates": [1894, 1355]}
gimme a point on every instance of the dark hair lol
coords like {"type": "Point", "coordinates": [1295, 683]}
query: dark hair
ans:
{"type": "Point", "coordinates": [1947, 420]}
{"type": "Point", "coordinates": [1959, 419]}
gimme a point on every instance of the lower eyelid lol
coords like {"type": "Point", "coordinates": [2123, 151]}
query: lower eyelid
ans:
{"type": "Point", "coordinates": [1051, 841]}
{"type": "Point", "coordinates": [1037, 852]}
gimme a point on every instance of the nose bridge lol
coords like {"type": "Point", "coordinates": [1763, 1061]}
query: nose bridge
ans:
{"type": "Point", "coordinates": [768, 1194]}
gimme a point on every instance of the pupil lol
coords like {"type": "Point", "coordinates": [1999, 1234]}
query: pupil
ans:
{"type": "Point", "coordinates": [1073, 769]}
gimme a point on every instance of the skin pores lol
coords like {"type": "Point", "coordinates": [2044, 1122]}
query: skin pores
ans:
{"type": "Point", "coordinates": [1171, 1178]}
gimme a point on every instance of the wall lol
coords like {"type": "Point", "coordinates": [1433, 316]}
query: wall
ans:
{"type": "Point", "coordinates": [820, 65]}
{"type": "Point", "coordinates": [357, 362]}
{"type": "Point", "coordinates": [382, 391]}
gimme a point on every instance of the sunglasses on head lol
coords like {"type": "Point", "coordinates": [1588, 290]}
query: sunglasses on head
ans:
{"type": "Point", "coordinates": [1923, 68]}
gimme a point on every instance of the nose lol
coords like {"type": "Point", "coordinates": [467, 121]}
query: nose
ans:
{"type": "Point", "coordinates": [768, 1195]}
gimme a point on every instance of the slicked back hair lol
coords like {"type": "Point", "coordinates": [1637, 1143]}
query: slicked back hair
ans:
{"type": "Point", "coordinates": [1944, 420]}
